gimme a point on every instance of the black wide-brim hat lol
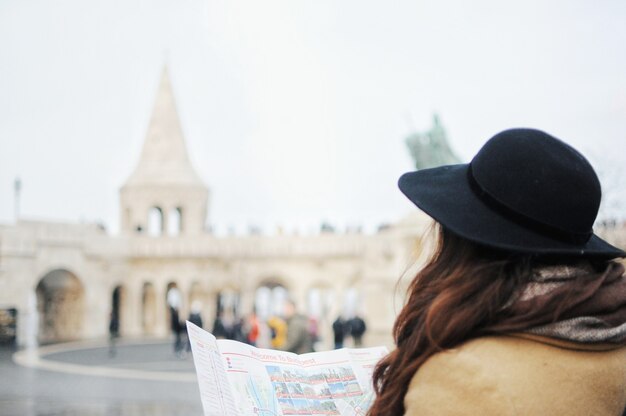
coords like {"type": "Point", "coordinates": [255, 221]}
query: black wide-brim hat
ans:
{"type": "Point", "coordinates": [524, 191]}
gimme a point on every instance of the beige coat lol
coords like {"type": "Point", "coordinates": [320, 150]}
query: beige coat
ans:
{"type": "Point", "coordinates": [520, 375]}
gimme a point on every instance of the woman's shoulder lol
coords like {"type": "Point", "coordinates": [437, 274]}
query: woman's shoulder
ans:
{"type": "Point", "coordinates": [519, 374]}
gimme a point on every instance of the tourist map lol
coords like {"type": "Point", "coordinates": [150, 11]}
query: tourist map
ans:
{"type": "Point", "coordinates": [239, 379]}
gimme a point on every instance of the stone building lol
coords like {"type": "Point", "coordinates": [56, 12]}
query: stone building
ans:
{"type": "Point", "coordinates": [65, 280]}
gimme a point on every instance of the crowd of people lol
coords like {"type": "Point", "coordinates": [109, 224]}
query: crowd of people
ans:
{"type": "Point", "coordinates": [291, 331]}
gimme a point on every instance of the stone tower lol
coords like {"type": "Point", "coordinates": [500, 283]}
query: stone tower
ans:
{"type": "Point", "coordinates": [164, 195]}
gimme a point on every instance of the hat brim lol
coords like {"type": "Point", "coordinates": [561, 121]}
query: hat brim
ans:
{"type": "Point", "coordinates": [445, 194]}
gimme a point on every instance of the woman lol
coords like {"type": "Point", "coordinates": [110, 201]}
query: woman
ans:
{"type": "Point", "coordinates": [520, 310]}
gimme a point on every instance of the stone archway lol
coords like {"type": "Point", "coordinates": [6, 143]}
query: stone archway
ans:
{"type": "Point", "coordinates": [156, 223]}
{"type": "Point", "coordinates": [227, 302]}
{"type": "Point", "coordinates": [175, 221]}
{"type": "Point", "coordinates": [269, 298]}
{"type": "Point", "coordinates": [320, 299]}
{"type": "Point", "coordinates": [60, 304]}
{"type": "Point", "coordinates": [351, 301]}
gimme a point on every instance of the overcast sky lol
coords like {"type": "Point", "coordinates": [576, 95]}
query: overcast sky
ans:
{"type": "Point", "coordinates": [294, 111]}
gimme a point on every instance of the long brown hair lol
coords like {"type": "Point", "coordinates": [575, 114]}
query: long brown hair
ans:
{"type": "Point", "coordinates": [463, 292]}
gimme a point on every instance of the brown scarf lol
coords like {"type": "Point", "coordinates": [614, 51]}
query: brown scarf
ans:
{"type": "Point", "coordinates": [589, 306]}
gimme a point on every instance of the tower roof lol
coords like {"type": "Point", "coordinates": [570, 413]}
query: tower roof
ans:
{"type": "Point", "coordinates": [164, 159]}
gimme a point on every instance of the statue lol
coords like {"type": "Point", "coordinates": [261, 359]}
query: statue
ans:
{"type": "Point", "coordinates": [431, 148]}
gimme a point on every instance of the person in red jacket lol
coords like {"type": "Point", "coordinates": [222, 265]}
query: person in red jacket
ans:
{"type": "Point", "coordinates": [252, 329]}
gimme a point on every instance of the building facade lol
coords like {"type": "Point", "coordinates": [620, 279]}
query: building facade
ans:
{"type": "Point", "coordinates": [66, 280]}
{"type": "Point", "coordinates": [62, 281]}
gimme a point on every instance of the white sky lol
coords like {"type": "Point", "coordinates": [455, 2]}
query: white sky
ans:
{"type": "Point", "coordinates": [294, 111]}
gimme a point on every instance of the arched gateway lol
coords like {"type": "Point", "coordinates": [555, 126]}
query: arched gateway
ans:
{"type": "Point", "coordinates": [60, 304]}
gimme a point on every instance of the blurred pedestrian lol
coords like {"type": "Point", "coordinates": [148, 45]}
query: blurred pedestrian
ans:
{"type": "Point", "coordinates": [177, 328]}
{"type": "Point", "coordinates": [252, 328]}
{"type": "Point", "coordinates": [219, 330]}
{"type": "Point", "coordinates": [114, 333]}
{"type": "Point", "coordinates": [357, 329]}
{"type": "Point", "coordinates": [298, 335]}
{"type": "Point", "coordinates": [339, 331]}
{"type": "Point", "coordinates": [174, 301]}
{"type": "Point", "coordinates": [195, 314]}
{"type": "Point", "coordinates": [278, 332]}
{"type": "Point", "coordinates": [238, 330]}
{"type": "Point", "coordinates": [314, 331]}
{"type": "Point", "coordinates": [195, 317]}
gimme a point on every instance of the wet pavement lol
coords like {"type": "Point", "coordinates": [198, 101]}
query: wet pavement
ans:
{"type": "Point", "coordinates": [143, 378]}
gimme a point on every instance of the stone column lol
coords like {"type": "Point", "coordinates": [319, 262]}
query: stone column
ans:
{"type": "Point", "coordinates": [378, 302]}
{"type": "Point", "coordinates": [165, 211]}
{"type": "Point", "coordinates": [132, 309]}
{"type": "Point", "coordinates": [96, 310]}
{"type": "Point", "coordinates": [209, 309]}
{"type": "Point", "coordinates": [28, 321]}
{"type": "Point", "coordinates": [247, 295]}
{"type": "Point", "coordinates": [161, 327]}
{"type": "Point", "coordinates": [185, 293]}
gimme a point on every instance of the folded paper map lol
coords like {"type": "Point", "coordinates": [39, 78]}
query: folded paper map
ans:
{"type": "Point", "coordinates": [237, 379]}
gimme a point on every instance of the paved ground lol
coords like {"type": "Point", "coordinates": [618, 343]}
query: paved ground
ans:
{"type": "Point", "coordinates": [143, 378]}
